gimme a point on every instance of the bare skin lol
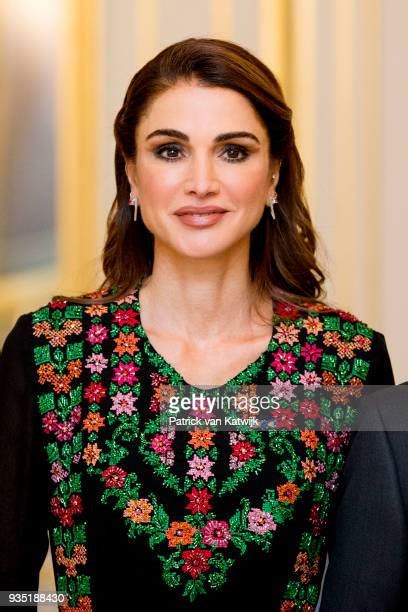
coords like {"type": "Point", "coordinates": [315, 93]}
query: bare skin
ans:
{"type": "Point", "coordinates": [198, 305]}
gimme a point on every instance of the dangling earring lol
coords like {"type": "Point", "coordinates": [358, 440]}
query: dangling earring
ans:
{"type": "Point", "coordinates": [271, 202]}
{"type": "Point", "coordinates": [133, 201]}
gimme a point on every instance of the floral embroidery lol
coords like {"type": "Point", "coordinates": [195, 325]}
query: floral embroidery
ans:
{"type": "Point", "coordinates": [91, 422]}
{"type": "Point", "coordinates": [59, 369]}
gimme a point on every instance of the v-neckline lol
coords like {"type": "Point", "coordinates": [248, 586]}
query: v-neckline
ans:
{"type": "Point", "coordinates": [246, 374]}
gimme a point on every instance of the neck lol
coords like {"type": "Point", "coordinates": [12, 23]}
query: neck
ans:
{"type": "Point", "coordinates": [203, 301]}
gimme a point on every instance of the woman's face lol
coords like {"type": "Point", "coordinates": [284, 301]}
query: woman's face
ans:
{"type": "Point", "coordinates": [201, 165]}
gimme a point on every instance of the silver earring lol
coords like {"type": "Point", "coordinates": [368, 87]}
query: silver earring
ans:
{"type": "Point", "coordinates": [271, 202]}
{"type": "Point", "coordinates": [133, 201]}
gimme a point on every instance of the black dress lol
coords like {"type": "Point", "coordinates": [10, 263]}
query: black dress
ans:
{"type": "Point", "coordinates": [144, 517]}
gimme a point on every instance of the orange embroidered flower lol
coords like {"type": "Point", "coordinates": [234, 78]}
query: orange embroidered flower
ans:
{"type": "Point", "coordinates": [286, 333]}
{"type": "Point", "coordinates": [180, 533]}
{"type": "Point", "coordinates": [309, 438]}
{"type": "Point", "coordinates": [139, 510]}
{"type": "Point", "coordinates": [304, 568]}
{"type": "Point", "coordinates": [313, 325]}
{"type": "Point", "coordinates": [57, 337]}
{"type": "Point", "coordinates": [91, 453]}
{"type": "Point", "coordinates": [60, 384]}
{"type": "Point", "coordinates": [126, 343]}
{"type": "Point", "coordinates": [201, 438]}
{"type": "Point", "coordinates": [75, 368]}
{"type": "Point", "coordinates": [288, 492]}
{"type": "Point", "coordinates": [309, 469]}
{"type": "Point", "coordinates": [96, 310]}
{"type": "Point", "coordinates": [70, 563]}
{"type": "Point", "coordinates": [362, 342]}
{"type": "Point", "coordinates": [329, 378]}
{"type": "Point", "coordinates": [93, 422]}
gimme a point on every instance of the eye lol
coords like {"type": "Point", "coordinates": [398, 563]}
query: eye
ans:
{"type": "Point", "coordinates": [171, 148]}
{"type": "Point", "coordinates": [235, 150]}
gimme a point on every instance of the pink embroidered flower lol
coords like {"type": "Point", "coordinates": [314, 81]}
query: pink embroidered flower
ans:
{"type": "Point", "coordinates": [76, 415]}
{"type": "Point", "coordinates": [284, 362]}
{"type": "Point", "coordinates": [123, 403]}
{"type": "Point", "coordinates": [310, 380]}
{"type": "Point", "coordinates": [216, 533]}
{"type": "Point", "coordinates": [260, 521]}
{"type": "Point", "coordinates": [286, 333]}
{"type": "Point", "coordinates": [200, 467]}
{"type": "Point", "coordinates": [311, 352]}
{"type": "Point", "coordinates": [64, 431]}
{"type": "Point", "coordinates": [125, 373]}
{"type": "Point", "coordinates": [127, 300]}
{"type": "Point", "coordinates": [161, 443]}
{"type": "Point", "coordinates": [50, 422]}
{"type": "Point", "coordinates": [94, 392]}
{"type": "Point", "coordinates": [114, 476]}
{"type": "Point", "coordinates": [97, 334]}
{"type": "Point", "coordinates": [96, 363]}
{"type": "Point", "coordinates": [168, 458]}
{"type": "Point", "coordinates": [126, 317]}
{"type": "Point", "coordinates": [58, 472]}
{"type": "Point", "coordinates": [309, 408]}
{"type": "Point", "coordinates": [283, 389]}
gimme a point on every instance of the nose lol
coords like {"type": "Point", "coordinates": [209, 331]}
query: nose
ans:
{"type": "Point", "coordinates": [202, 177]}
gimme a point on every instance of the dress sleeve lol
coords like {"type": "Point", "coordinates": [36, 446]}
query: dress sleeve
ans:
{"type": "Point", "coordinates": [380, 372]}
{"type": "Point", "coordinates": [23, 467]}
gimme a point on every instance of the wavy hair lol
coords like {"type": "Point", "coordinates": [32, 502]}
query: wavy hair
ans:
{"type": "Point", "coordinates": [282, 258]}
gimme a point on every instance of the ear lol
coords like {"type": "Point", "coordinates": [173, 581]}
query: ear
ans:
{"type": "Point", "coordinates": [130, 173]}
{"type": "Point", "coordinates": [274, 177]}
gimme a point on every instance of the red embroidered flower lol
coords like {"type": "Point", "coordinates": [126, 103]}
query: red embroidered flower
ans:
{"type": "Point", "coordinates": [50, 422]}
{"type": "Point", "coordinates": [57, 304]}
{"type": "Point", "coordinates": [114, 476]}
{"type": "Point", "coordinates": [125, 373]}
{"type": "Point", "coordinates": [284, 418]}
{"type": "Point", "coordinates": [199, 500]}
{"type": "Point", "coordinates": [94, 392]}
{"type": "Point", "coordinates": [195, 561]}
{"type": "Point", "coordinates": [311, 352]}
{"type": "Point", "coordinates": [126, 317]}
{"type": "Point", "coordinates": [286, 311]}
{"type": "Point", "coordinates": [243, 450]}
{"type": "Point", "coordinates": [284, 361]}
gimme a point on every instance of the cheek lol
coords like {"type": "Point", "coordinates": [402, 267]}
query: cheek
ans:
{"type": "Point", "coordinates": [249, 186]}
{"type": "Point", "coordinates": [156, 183]}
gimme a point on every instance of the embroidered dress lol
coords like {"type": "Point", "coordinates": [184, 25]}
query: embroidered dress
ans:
{"type": "Point", "coordinates": [145, 518]}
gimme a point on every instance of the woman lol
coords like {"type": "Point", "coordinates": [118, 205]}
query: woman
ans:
{"type": "Point", "coordinates": [211, 282]}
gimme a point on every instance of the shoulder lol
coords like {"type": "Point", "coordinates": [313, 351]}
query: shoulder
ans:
{"type": "Point", "coordinates": [351, 351]}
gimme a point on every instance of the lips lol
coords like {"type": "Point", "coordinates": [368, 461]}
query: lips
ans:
{"type": "Point", "coordinates": [202, 210]}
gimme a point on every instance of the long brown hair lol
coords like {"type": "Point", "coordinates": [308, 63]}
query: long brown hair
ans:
{"type": "Point", "coordinates": [282, 257]}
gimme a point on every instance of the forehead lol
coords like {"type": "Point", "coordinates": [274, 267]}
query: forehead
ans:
{"type": "Point", "coordinates": [191, 107]}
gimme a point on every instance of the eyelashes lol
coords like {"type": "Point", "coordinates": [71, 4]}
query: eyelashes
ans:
{"type": "Point", "coordinates": [235, 149]}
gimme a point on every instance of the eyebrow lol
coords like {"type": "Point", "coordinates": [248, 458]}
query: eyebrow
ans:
{"type": "Point", "coordinates": [220, 138]}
